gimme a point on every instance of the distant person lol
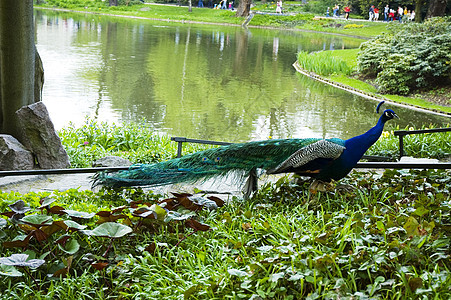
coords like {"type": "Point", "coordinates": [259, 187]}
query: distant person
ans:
{"type": "Point", "coordinates": [386, 12]}
{"type": "Point", "coordinates": [376, 14]}
{"type": "Point", "coordinates": [335, 11]}
{"type": "Point", "coordinates": [200, 3]}
{"type": "Point", "coordinates": [400, 13]}
{"type": "Point", "coordinates": [391, 15]}
{"type": "Point", "coordinates": [412, 16]}
{"type": "Point", "coordinates": [279, 7]}
{"type": "Point", "coordinates": [224, 4]}
{"type": "Point", "coordinates": [347, 10]}
{"type": "Point", "coordinates": [371, 13]}
{"type": "Point", "coordinates": [327, 12]}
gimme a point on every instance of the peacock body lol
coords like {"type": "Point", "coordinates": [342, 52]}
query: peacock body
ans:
{"type": "Point", "coordinates": [322, 159]}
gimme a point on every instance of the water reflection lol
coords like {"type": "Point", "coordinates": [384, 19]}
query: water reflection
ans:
{"type": "Point", "coordinates": [210, 82]}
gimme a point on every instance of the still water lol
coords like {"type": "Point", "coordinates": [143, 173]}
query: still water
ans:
{"type": "Point", "coordinates": [198, 81]}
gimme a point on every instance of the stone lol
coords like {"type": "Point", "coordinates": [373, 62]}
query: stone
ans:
{"type": "Point", "coordinates": [13, 155]}
{"type": "Point", "coordinates": [111, 161]}
{"type": "Point", "coordinates": [40, 137]}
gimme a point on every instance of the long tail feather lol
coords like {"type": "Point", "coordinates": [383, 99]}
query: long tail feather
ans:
{"type": "Point", "coordinates": [206, 164]}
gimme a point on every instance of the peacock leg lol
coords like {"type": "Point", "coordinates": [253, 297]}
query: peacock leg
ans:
{"type": "Point", "coordinates": [320, 186]}
{"type": "Point", "coordinates": [345, 188]}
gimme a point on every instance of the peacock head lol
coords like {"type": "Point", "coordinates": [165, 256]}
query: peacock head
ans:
{"type": "Point", "coordinates": [388, 114]}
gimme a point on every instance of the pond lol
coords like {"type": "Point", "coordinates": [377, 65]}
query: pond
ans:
{"type": "Point", "coordinates": [212, 82]}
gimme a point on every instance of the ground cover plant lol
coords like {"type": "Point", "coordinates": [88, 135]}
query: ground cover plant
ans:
{"type": "Point", "coordinates": [136, 142]}
{"type": "Point", "coordinates": [387, 239]}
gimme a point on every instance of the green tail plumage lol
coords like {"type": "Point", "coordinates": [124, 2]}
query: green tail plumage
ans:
{"type": "Point", "coordinates": [206, 164]}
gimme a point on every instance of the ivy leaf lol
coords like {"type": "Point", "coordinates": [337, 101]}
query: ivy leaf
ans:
{"type": "Point", "coordinates": [275, 277]}
{"type": "Point", "coordinates": [45, 202]}
{"type": "Point", "coordinates": [191, 223]}
{"type": "Point", "coordinates": [110, 230]}
{"type": "Point", "coordinates": [411, 226]}
{"type": "Point", "coordinates": [38, 220]}
{"type": "Point", "coordinates": [78, 214]}
{"type": "Point", "coordinates": [10, 271]}
{"type": "Point", "coordinates": [74, 225]}
{"type": "Point", "coordinates": [21, 260]}
{"type": "Point", "coordinates": [421, 211]}
{"type": "Point", "coordinates": [2, 223]}
{"type": "Point", "coordinates": [70, 247]}
{"type": "Point", "coordinates": [19, 207]}
{"type": "Point", "coordinates": [238, 273]}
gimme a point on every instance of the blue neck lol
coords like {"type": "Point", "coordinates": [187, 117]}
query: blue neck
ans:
{"type": "Point", "coordinates": [358, 145]}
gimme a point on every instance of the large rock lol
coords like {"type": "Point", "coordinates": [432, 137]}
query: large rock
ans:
{"type": "Point", "coordinates": [13, 155]}
{"type": "Point", "coordinates": [41, 137]}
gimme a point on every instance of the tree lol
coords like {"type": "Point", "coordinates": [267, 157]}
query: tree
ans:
{"type": "Point", "coordinates": [437, 8]}
{"type": "Point", "coordinates": [244, 8]}
{"type": "Point", "coordinates": [18, 61]}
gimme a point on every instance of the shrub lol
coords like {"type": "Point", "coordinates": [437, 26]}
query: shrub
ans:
{"type": "Point", "coordinates": [409, 56]}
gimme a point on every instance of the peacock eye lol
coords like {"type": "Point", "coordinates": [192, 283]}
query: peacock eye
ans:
{"type": "Point", "coordinates": [217, 159]}
{"type": "Point", "coordinates": [204, 159]}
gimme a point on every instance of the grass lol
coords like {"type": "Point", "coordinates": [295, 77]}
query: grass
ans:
{"type": "Point", "coordinates": [386, 240]}
{"type": "Point", "coordinates": [327, 62]}
{"type": "Point", "coordinates": [301, 20]}
{"type": "Point", "coordinates": [135, 142]}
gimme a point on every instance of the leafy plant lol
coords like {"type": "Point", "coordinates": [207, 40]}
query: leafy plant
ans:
{"type": "Point", "coordinates": [409, 57]}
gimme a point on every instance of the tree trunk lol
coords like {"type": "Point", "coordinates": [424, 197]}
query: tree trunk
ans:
{"type": "Point", "coordinates": [418, 6]}
{"type": "Point", "coordinates": [437, 8]}
{"type": "Point", "coordinates": [17, 61]}
{"type": "Point", "coordinates": [244, 8]}
{"type": "Point", "coordinates": [190, 6]}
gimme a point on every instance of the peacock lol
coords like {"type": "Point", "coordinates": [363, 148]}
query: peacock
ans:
{"type": "Point", "coordinates": [322, 159]}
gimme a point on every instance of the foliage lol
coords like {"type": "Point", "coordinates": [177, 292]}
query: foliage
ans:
{"type": "Point", "coordinates": [59, 237]}
{"type": "Point", "coordinates": [136, 142]}
{"type": "Point", "coordinates": [409, 56]}
{"type": "Point", "coordinates": [387, 239]}
{"type": "Point", "coordinates": [324, 63]}
{"type": "Point", "coordinates": [429, 145]}
{"type": "Point", "coordinates": [77, 3]}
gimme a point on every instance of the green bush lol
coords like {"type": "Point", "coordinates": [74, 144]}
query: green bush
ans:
{"type": "Point", "coordinates": [409, 56]}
